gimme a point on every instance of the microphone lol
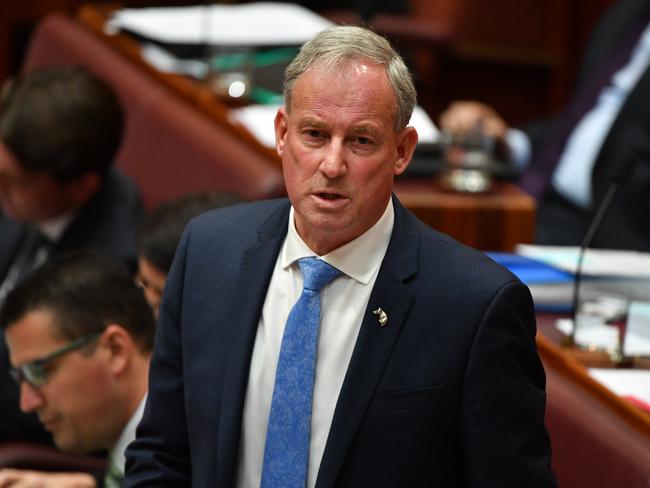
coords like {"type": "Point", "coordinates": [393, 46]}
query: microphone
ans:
{"type": "Point", "coordinates": [618, 179]}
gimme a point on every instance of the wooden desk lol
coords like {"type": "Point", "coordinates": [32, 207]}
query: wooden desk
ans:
{"type": "Point", "coordinates": [496, 220]}
{"type": "Point", "coordinates": [598, 439]}
{"type": "Point", "coordinates": [574, 363]}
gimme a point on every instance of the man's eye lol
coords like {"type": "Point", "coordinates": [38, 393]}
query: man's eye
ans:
{"type": "Point", "coordinates": [363, 141]}
{"type": "Point", "coordinates": [313, 133]}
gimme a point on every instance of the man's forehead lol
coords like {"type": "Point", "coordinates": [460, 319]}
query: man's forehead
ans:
{"type": "Point", "coordinates": [356, 83]}
{"type": "Point", "coordinates": [347, 71]}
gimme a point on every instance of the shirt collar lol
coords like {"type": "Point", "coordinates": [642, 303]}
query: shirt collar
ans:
{"type": "Point", "coordinates": [359, 258]}
{"type": "Point", "coordinates": [116, 456]}
{"type": "Point", "coordinates": [54, 228]}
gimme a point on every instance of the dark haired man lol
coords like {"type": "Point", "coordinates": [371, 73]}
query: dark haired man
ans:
{"type": "Point", "coordinates": [80, 334]}
{"type": "Point", "coordinates": [159, 235]}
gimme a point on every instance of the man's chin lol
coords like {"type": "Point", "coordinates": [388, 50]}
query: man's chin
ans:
{"type": "Point", "coordinates": [66, 444]}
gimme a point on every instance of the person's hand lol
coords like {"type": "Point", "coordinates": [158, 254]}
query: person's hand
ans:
{"type": "Point", "coordinates": [469, 117]}
{"type": "Point", "coordinates": [21, 478]}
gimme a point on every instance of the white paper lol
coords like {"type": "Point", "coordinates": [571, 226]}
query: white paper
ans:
{"type": "Point", "coordinates": [604, 337]}
{"type": "Point", "coordinates": [625, 382]}
{"type": "Point", "coordinates": [427, 130]}
{"type": "Point", "coordinates": [258, 119]}
{"type": "Point", "coordinates": [637, 332]}
{"type": "Point", "coordinates": [164, 61]}
{"type": "Point", "coordinates": [251, 24]}
{"type": "Point", "coordinates": [597, 262]}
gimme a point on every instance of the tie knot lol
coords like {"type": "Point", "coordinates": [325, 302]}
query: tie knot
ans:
{"type": "Point", "coordinates": [316, 273]}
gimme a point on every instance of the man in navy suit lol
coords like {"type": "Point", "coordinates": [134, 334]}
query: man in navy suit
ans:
{"type": "Point", "coordinates": [568, 161]}
{"type": "Point", "coordinates": [426, 368]}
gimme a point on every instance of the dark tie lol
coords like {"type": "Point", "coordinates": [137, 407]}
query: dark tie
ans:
{"type": "Point", "coordinates": [31, 254]}
{"type": "Point", "coordinates": [286, 453]}
{"type": "Point", "coordinates": [537, 175]}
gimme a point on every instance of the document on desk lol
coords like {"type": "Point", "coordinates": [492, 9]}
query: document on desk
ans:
{"type": "Point", "coordinates": [637, 331]}
{"type": "Point", "coordinates": [633, 384]}
{"type": "Point", "coordinates": [250, 24]}
{"type": "Point", "coordinates": [597, 262]}
{"type": "Point", "coordinates": [549, 273]}
{"type": "Point", "coordinates": [258, 119]}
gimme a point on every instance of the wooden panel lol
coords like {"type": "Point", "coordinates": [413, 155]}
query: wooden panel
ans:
{"type": "Point", "coordinates": [517, 55]}
{"type": "Point", "coordinates": [496, 220]}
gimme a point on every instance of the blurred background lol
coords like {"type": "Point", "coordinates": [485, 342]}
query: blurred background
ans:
{"type": "Point", "coordinates": [519, 56]}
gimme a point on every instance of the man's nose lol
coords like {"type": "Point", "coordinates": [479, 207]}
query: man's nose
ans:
{"type": "Point", "coordinates": [334, 164]}
{"type": "Point", "coordinates": [31, 399]}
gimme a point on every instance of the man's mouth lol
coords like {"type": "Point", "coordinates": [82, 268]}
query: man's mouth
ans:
{"type": "Point", "coordinates": [329, 196]}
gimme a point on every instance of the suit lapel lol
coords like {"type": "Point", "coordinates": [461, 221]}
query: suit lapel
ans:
{"type": "Point", "coordinates": [374, 344]}
{"type": "Point", "coordinates": [257, 267]}
{"type": "Point", "coordinates": [11, 235]}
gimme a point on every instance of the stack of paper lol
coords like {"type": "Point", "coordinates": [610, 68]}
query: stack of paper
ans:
{"type": "Point", "coordinates": [549, 273]}
{"type": "Point", "coordinates": [632, 384]}
{"type": "Point", "coordinates": [551, 287]}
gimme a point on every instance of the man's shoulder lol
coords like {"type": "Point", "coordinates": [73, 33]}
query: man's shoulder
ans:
{"type": "Point", "coordinates": [441, 252]}
{"type": "Point", "coordinates": [247, 215]}
{"type": "Point", "coordinates": [241, 222]}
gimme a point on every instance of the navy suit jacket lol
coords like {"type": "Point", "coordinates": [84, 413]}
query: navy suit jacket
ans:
{"type": "Point", "coordinates": [108, 222]}
{"type": "Point", "coordinates": [449, 393]}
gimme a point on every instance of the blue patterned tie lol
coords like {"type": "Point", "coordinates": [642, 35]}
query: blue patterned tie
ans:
{"type": "Point", "coordinates": [286, 454]}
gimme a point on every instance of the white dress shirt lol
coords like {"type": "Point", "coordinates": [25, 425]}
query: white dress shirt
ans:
{"type": "Point", "coordinates": [343, 303]}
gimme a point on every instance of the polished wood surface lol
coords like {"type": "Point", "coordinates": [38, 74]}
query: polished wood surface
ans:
{"type": "Point", "coordinates": [494, 220]}
{"type": "Point", "coordinates": [497, 219]}
{"type": "Point", "coordinates": [574, 362]}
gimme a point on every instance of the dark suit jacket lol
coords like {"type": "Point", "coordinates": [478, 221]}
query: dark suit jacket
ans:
{"type": "Point", "coordinates": [108, 222]}
{"type": "Point", "coordinates": [626, 225]}
{"type": "Point", "coordinates": [449, 393]}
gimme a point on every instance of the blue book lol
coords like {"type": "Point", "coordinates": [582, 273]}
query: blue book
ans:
{"type": "Point", "coordinates": [552, 288]}
{"type": "Point", "coordinates": [531, 271]}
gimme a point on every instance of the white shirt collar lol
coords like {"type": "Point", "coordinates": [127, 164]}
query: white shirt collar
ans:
{"type": "Point", "coordinates": [116, 456]}
{"type": "Point", "coordinates": [54, 228]}
{"type": "Point", "coordinates": [358, 259]}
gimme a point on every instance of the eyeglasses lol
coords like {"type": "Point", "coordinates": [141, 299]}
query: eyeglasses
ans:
{"type": "Point", "coordinates": [34, 372]}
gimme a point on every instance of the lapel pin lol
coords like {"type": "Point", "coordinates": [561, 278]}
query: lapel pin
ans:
{"type": "Point", "coordinates": [381, 316]}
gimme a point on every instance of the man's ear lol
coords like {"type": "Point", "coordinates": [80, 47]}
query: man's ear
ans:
{"type": "Point", "coordinates": [281, 127]}
{"type": "Point", "coordinates": [407, 139]}
{"type": "Point", "coordinates": [118, 348]}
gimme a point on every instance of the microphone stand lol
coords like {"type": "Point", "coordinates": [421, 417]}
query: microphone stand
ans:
{"type": "Point", "coordinates": [591, 232]}
{"type": "Point", "coordinates": [620, 176]}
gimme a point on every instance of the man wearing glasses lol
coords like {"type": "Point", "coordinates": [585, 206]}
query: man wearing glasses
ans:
{"type": "Point", "coordinates": [80, 334]}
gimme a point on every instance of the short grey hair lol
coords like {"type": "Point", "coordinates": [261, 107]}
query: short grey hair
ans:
{"type": "Point", "coordinates": [338, 46]}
